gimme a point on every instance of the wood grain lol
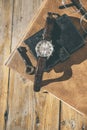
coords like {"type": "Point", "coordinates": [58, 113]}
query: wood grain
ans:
{"type": "Point", "coordinates": [27, 110]}
{"type": "Point", "coordinates": [21, 97]}
{"type": "Point", "coordinates": [5, 41]}
{"type": "Point", "coordinates": [65, 79]}
{"type": "Point", "coordinates": [47, 112]}
{"type": "Point", "coordinates": [71, 120]}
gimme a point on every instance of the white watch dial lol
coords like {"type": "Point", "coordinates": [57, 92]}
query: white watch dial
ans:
{"type": "Point", "coordinates": [44, 48]}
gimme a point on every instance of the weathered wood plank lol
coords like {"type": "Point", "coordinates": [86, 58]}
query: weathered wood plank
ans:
{"type": "Point", "coordinates": [21, 104]}
{"type": "Point", "coordinates": [23, 13]}
{"type": "Point", "coordinates": [28, 111]}
{"type": "Point", "coordinates": [21, 97]}
{"type": "Point", "coordinates": [47, 112]}
{"type": "Point", "coordinates": [72, 120]}
{"type": "Point", "coordinates": [5, 42]}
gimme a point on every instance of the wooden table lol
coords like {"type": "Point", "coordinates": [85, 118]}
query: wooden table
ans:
{"type": "Point", "coordinates": [68, 80]}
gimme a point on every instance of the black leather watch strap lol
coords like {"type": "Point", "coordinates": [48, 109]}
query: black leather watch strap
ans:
{"type": "Point", "coordinates": [39, 73]}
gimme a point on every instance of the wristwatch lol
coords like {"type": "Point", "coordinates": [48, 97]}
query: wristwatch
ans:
{"type": "Point", "coordinates": [44, 50]}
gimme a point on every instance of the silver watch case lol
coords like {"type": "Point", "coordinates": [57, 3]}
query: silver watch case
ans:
{"type": "Point", "coordinates": [44, 48]}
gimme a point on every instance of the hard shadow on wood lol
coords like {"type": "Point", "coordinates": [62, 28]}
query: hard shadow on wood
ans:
{"type": "Point", "coordinates": [76, 58]}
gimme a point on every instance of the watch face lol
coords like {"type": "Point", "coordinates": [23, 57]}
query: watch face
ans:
{"type": "Point", "coordinates": [44, 48]}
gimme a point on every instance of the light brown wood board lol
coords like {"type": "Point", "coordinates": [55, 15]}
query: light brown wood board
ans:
{"type": "Point", "coordinates": [67, 81]}
{"type": "Point", "coordinates": [5, 41]}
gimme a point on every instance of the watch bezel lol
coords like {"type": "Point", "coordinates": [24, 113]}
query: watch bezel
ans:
{"type": "Point", "coordinates": [41, 54]}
